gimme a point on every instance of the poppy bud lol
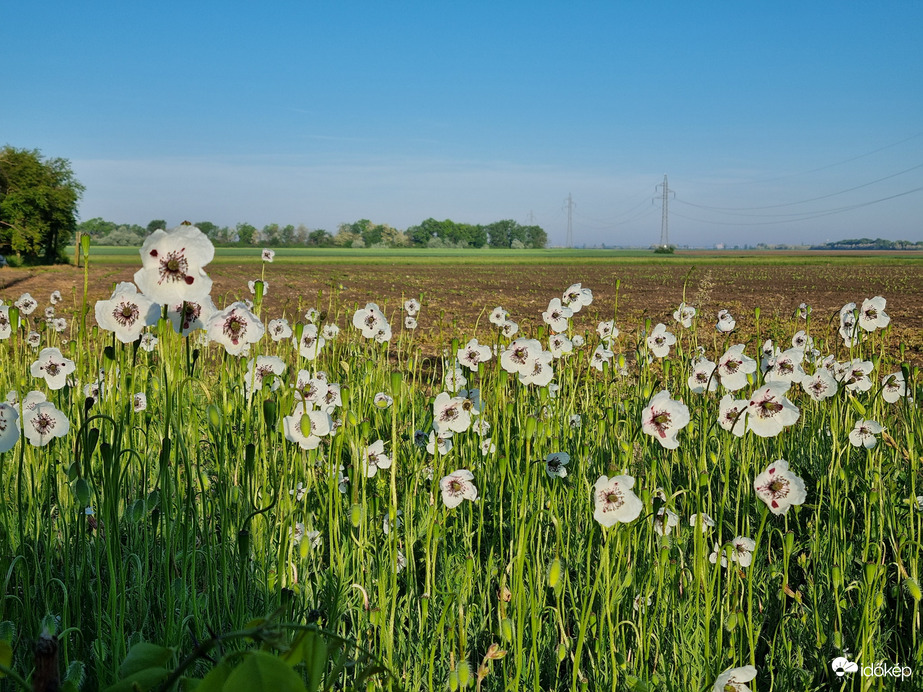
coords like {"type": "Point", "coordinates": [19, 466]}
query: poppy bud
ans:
{"type": "Point", "coordinates": [506, 629]}
{"type": "Point", "coordinates": [453, 680]}
{"type": "Point", "coordinates": [530, 426]}
{"type": "Point", "coordinates": [214, 415]}
{"type": "Point", "coordinates": [464, 673]}
{"type": "Point", "coordinates": [554, 572]}
{"type": "Point", "coordinates": [355, 515]}
{"type": "Point", "coordinates": [269, 413]}
{"type": "Point", "coordinates": [85, 244]}
{"type": "Point", "coordinates": [913, 588]}
{"type": "Point", "coordinates": [395, 384]}
{"type": "Point", "coordinates": [13, 316]}
{"type": "Point", "coordinates": [857, 405]}
{"type": "Point", "coordinates": [837, 575]}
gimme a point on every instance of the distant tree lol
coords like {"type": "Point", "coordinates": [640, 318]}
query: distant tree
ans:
{"type": "Point", "coordinates": [208, 228]}
{"type": "Point", "coordinates": [319, 238]}
{"type": "Point", "coordinates": [96, 227]}
{"type": "Point", "coordinates": [535, 236]}
{"type": "Point", "coordinates": [157, 223]}
{"type": "Point", "coordinates": [246, 234]}
{"type": "Point", "coordinates": [38, 204]}
{"type": "Point", "coordinates": [270, 234]}
{"type": "Point", "coordinates": [287, 235]}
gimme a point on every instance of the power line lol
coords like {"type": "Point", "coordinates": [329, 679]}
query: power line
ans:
{"type": "Point", "coordinates": [807, 216]}
{"type": "Point", "coordinates": [570, 220]}
{"type": "Point", "coordinates": [803, 201]}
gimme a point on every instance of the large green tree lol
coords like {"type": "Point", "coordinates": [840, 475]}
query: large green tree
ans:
{"type": "Point", "coordinates": [38, 204]}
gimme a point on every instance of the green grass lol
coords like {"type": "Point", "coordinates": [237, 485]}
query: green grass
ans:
{"type": "Point", "coordinates": [231, 255]}
{"type": "Point", "coordinates": [196, 512]}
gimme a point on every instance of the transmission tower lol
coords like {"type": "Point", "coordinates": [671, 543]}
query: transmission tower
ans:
{"type": "Point", "coordinates": [665, 212]}
{"type": "Point", "coordinates": [570, 220]}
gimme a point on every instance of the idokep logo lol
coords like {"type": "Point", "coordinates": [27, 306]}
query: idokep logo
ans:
{"type": "Point", "coordinates": [842, 665]}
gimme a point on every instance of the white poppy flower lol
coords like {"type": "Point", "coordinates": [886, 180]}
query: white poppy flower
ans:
{"type": "Point", "coordinates": [305, 427]}
{"type": "Point", "coordinates": [49, 313]}
{"type": "Point", "coordinates": [607, 330]}
{"type": "Point", "coordinates": [268, 255]}
{"type": "Point", "coordinates": [767, 354]}
{"type": "Point", "coordinates": [481, 426]}
{"type": "Point", "coordinates": [457, 486]}
{"type": "Point", "coordinates": [726, 322]}
{"type": "Point", "coordinates": [769, 410]}
{"type": "Point", "coordinates": [55, 297]}
{"type": "Point", "coordinates": [58, 324]}
{"type": "Point", "coordinates": [684, 314]}
{"type": "Point", "coordinates": [375, 458]}
{"type": "Point", "coordinates": [703, 521]}
{"type": "Point", "coordinates": [370, 320]}
{"type": "Point", "coordinates": [733, 368]}
{"type": "Point", "coordinates": [820, 385]}
{"type": "Point", "coordinates": [6, 329]}
{"type": "Point", "coordinates": [663, 418]}
{"type": "Point", "coordinates": [498, 316]}
{"type": "Point", "coordinates": [576, 297]}
{"type": "Point", "coordinates": [54, 367]}
{"type": "Point", "coordinates": [802, 341]}
{"type": "Point", "coordinates": [664, 521]}
{"type": "Point", "coordinates": [126, 313]}
{"type": "Point", "coordinates": [330, 331]}
{"type": "Point", "coordinates": [779, 488]}
{"type": "Point", "coordinates": [487, 447]}
{"type": "Point", "coordinates": [34, 339]}
{"type": "Point", "coordinates": [872, 315]}
{"type": "Point", "coordinates": [893, 387]}
{"type": "Point", "coordinates": [856, 375]}
{"type": "Point", "coordinates": [732, 415]}
{"type": "Point", "coordinates": [539, 370]}
{"type": "Point", "coordinates": [509, 329]}
{"type": "Point", "coordinates": [454, 378]}
{"type": "Point", "coordinates": [382, 400]}
{"type": "Point", "coordinates": [262, 368]}
{"type": "Point", "coordinates": [412, 306]}
{"type": "Point", "coordinates": [786, 367]}
{"type": "Point", "coordinates": [44, 423]}
{"type": "Point", "coordinates": [516, 358]}
{"type": "Point", "coordinates": [148, 342]}
{"type": "Point", "coordinates": [26, 304]}
{"type": "Point", "coordinates": [451, 414]}
{"type": "Point", "coordinates": [172, 266]}
{"type": "Point", "coordinates": [441, 442]}
{"type": "Point", "coordinates": [557, 315]}
{"type": "Point", "coordinates": [804, 310]}
{"type": "Point", "coordinates": [310, 344]}
{"type": "Point", "coordinates": [742, 552]}
{"type": "Point", "coordinates": [575, 421]}
{"type": "Point", "coordinates": [279, 329]}
{"type": "Point", "coordinates": [556, 463]}
{"type": "Point", "coordinates": [734, 680]}
{"type": "Point", "coordinates": [702, 377]}
{"type": "Point", "coordinates": [863, 433]}
{"type": "Point", "coordinates": [139, 402]}
{"type": "Point", "coordinates": [312, 315]}
{"type": "Point", "coordinates": [312, 389]}
{"type": "Point", "coordinates": [614, 501]}
{"type": "Point", "coordinates": [578, 340]}
{"type": "Point", "coordinates": [660, 340]}
{"type": "Point", "coordinates": [600, 356]}
{"type": "Point", "coordinates": [559, 344]}
{"type": "Point", "coordinates": [235, 328]}
{"type": "Point", "coordinates": [410, 322]}
{"type": "Point", "coordinates": [473, 353]}
{"type": "Point", "coordinates": [187, 317]}
{"type": "Point", "coordinates": [9, 430]}
{"type": "Point", "coordinates": [252, 285]}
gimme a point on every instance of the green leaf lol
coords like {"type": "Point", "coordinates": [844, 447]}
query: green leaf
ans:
{"type": "Point", "coordinates": [142, 681]}
{"type": "Point", "coordinates": [262, 671]}
{"type": "Point", "coordinates": [6, 656]}
{"type": "Point", "coordinates": [217, 676]}
{"type": "Point", "coordinates": [144, 655]}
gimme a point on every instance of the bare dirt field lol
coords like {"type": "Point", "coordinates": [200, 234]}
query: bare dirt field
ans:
{"type": "Point", "coordinates": [455, 296]}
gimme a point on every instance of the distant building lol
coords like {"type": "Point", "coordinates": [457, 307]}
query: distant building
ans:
{"type": "Point", "coordinates": [719, 246]}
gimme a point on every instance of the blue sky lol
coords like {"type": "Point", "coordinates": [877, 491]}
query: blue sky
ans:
{"type": "Point", "coordinates": [775, 122]}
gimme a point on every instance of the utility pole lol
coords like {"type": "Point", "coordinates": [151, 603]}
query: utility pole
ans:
{"type": "Point", "coordinates": [664, 212]}
{"type": "Point", "coordinates": [531, 218]}
{"type": "Point", "coordinates": [570, 220]}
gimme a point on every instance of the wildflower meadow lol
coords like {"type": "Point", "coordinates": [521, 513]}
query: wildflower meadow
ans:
{"type": "Point", "coordinates": [202, 496]}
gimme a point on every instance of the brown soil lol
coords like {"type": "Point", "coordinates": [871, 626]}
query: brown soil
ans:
{"type": "Point", "coordinates": [454, 297]}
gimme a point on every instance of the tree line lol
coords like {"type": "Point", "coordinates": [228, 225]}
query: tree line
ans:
{"type": "Point", "coordinates": [359, 234]}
